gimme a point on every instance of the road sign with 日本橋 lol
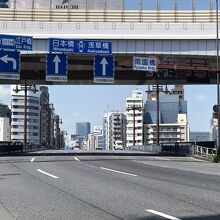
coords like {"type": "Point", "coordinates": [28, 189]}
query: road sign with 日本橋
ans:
{"type": "Point", "coordinates": [15, 42]}
{"type": "Point", "coordinates": [9, 65]}
{"type": "Point", "coordinates": [145, 64]}
{"type": "Point", "coordinates": [104, 69]}
{"type": "Point", "coordinates": [56, 67]}
{"type": "Point", "coordinates": [80, 46]}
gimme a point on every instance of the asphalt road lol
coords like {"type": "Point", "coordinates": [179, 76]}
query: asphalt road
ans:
{"type": "Point", "coordinates": [109, 187]}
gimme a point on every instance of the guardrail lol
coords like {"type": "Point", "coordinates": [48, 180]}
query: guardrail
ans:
{"type": "Point", "coordinates": [152, 148]}
{"type": "Point", "coordinates": [185, 16]}
{"type": "Point", "coordinates": [204, 152]}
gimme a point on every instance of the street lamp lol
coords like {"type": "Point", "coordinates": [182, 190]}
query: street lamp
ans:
{"type": "Point", "coordinates": [25, 88]}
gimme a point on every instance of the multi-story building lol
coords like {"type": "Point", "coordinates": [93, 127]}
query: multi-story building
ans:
{"type": "Point", "coordinates": [18, 115]}
{"type": "Point", "coordinates": [4, 129]}
{"type": "Point", "coordinates": [46, 118]}
{"type": "Point", "coordinates": [5, 123]}
{"type": "Point", "coordinates": [83, 129]}
{"type": "Point", "coordinates": [114, 129]}
{"type": "Point", "coordinates": [172, 117]}
{"type": "Point", "coordinates": [95, 139]}
{"type": "Point", "coordinates": [134, 116]}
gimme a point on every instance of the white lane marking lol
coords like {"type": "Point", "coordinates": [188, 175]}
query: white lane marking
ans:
{"type": "Point", "coordinates": [48, 174]}
{"type": "Point", "coordinates": [116, 171]}
{"type": "Point", "coordinates": [76, 158]}
{"type": "Point", "coordinates": [32, 160]}
{"type": "Point", "coordinates": [161, 158]}
{"type": "Point", "coordinates": [162, 214]}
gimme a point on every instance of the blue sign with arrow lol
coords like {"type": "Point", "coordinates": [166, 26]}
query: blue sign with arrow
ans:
{"type": "Point", "coordinates": [104, 69]}
{"type": "Point", "coordinates": [56, 67]}
{"type": "Point", "coordinates": [80, 46]}
{"type": "Point", "coordinates": [14, 42]}
{"type": "Point", "coordinates": [9, 65]}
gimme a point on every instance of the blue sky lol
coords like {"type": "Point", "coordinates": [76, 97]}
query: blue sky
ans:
{"type": "Point", "coordinates": [88, 103]}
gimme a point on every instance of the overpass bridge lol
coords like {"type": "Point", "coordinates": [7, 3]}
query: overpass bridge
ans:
{"type": "Point", "coordinates": [184, 42]}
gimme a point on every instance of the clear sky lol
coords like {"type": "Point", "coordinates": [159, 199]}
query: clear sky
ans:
{"type": "Point", "coordinates": [88, 103]}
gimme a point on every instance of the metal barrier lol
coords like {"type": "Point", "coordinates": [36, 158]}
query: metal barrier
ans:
{"type": "Point", "coordinates": [153, 148]}
{"type": "Point", "coordinates": [204, 152]}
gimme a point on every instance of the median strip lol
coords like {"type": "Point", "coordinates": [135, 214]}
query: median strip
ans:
{"type": "Point", "coordinates": [162, 214]}
{"type": "Point", "coordinates": [48, 174]}
{"type": "Point", "coordinates": [116, 171]}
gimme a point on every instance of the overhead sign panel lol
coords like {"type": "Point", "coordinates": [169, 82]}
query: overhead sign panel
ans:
{"type": "Point", "coordinates": [9, 65]}
{"type": "Point", "coordinates": [13, 42]}
{"type": "Point", "coordinates": [104, 69]}
{"type": "Point", "coordinates": [145, 64]}
{"type": "Point", "coordinates": [80, 46]}
{"type": "Point", "coordinates": [56, 67]}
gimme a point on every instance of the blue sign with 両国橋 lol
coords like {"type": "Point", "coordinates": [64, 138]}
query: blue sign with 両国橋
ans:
{"type": "Point", "coordinates": [145, 64]}
{"type": "Point", "coordinates": [13, 42]}
{"type": "Point", "coordinates": [104, 69]}
{"type": "Point", "coordinates": [80, 46]}
{"type": "Point", "coordinates": [9, 65]}
{"type": "Point", "coordinates": [56, 67]}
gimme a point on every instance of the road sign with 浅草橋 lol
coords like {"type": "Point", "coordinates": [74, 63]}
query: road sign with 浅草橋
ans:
{"type": "Point", "coordinates": [56, 67]}
{"type": "Point", "coordinates": [145, 64]}
{"type": "Point", "coordinates": [9, 65]}
{"type": "Point", "coordinates": [80, 46]}
{"type": "Point", "coordinates": [15, 42]}
{"type": "Point", "coordinates": [104, 69]}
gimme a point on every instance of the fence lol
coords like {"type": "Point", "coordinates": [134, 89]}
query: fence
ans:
{"type": "Point", "coordinates": [204, 152]}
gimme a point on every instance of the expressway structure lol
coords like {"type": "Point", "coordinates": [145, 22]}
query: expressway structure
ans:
{"type": "Point", "coordinates": [183, 42]}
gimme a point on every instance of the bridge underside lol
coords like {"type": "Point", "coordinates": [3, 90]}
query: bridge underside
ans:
{"type": "Point", "coordinates": [172, 70]}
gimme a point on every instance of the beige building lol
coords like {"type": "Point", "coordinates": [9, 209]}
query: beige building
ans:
{"type": "Point", "coordinates": [5, 129]}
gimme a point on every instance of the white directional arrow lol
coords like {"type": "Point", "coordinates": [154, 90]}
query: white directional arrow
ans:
{"type": "Point", "coordinates": [7, 59]}
{"type": "Point", "coordinates": [104, 63]}
{"type": "Point", "coordinates": [56, 60]}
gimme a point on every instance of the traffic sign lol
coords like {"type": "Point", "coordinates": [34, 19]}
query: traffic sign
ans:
{"type": "Point", "coordinates": [145, 64]}
{"type": "Point", "coordinates": [56, 67]}
{"type": "Point", "coordinates": [9, 65]}
{"type": "Point", "coordinates": [104, 69]}
{"type": "Point", "coordinates": [80, 46]}
{"type": "Point", "coordinates": [14, 42]}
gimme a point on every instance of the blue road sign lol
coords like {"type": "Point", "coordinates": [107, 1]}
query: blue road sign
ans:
{"type": "Point", "coordinates": [104, 69]}
{"type": "Point", "coordinates": [9, 65]}
{"type": "Point", "coordinates": [56, 67]}
{"type": "Point", "coordinates": [80, 46]}
{"type": "Point", "coordinates": [14, 42]}
{"type": "Point", "coordinates": [145, 64]}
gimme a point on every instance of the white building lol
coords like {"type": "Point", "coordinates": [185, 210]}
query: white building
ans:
{"type": "Point", "coordinates": [33, 115]}
{"type": "Point", "coordinates": [134, 116]}
{"type": "Point", "coordinates": [175, 132]}
{"type": "Point", "coordinates": [4, 129]}
{"type": "Point", "coordinates": [114, 129]}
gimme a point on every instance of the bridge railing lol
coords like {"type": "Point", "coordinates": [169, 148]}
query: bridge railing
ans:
{"type": "Point", "coordinates": [106, 15]}
{"type": "Point", "coordinates": [204, 152]}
